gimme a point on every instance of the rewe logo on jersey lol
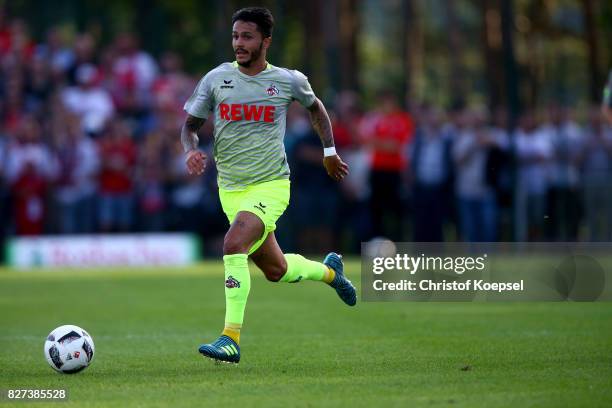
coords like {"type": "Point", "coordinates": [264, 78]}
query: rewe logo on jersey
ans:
{"type": "Point", "coordinates": [237, 111]}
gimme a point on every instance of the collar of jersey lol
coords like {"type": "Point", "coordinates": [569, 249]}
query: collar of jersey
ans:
{"type": "Point", "coordinates": [235, 65]}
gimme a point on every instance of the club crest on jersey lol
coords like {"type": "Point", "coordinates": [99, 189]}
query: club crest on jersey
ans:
{"type": "Point", "coordinates": [272, 90]}
{"type": "Point", "coordinates": [232, 282]}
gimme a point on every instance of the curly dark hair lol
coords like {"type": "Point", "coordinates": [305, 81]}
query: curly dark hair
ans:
{"type": "Point", "coordinates": [258, 15]}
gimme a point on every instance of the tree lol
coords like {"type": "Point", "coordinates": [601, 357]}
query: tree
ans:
{"type": "Point", "coordinates": [590, 32]}
{"type": "Point", "coordinates": [349, 33]}
{"type": "Point", "coordinates": [491, 40]}
{"type": "Point", "coordinates": [510, 70]}
{"type": "Point", "coordinates": [454, 41]}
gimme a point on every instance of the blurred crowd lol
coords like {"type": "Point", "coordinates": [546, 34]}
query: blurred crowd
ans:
{"type": "Point", "coordinates": [89, 143]}
{"type": "Point", "coordinates": [430, 175]}
{"type": "Point", "coordinates": [89, 137]}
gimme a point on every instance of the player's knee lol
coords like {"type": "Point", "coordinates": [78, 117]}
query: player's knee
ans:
{"type": "Point", "coordinates": [272, 276]}
{"type": "Point", "coordinates": [275, 272]}
{"type": "Point", "coordinates": [233, 246]}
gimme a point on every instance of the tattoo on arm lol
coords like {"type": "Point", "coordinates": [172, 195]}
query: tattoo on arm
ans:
{"type": "Point", "coordinates": [189, 132]}
{"type": "Point", "coordinates": [321, 123]}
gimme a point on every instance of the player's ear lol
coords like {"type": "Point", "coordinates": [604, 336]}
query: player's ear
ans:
{"type": "Point", "coordinates": [267, 42]}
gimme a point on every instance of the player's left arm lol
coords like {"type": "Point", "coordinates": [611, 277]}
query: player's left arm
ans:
{"type": "Point", "coordinates": [335, 167]}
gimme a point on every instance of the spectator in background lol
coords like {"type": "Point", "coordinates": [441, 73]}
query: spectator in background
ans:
{"type": "Point", "coordinates": [5, 34]}
{"type": "Point", "coordinates": [387, 132]}
{"type": "Point", "coordinates": [89, 100]}
{"type": "Point", "coordinates": [5, 204]}
{"type": "Point", "coordinates": [30, 168]}
{"type": "Point", "coordinates": [499, 173]}
{"type": "Point", "coordinates": [13, 105]}
{"type": "Point", "coordinates": [353, 224]}
{"type": "Point", "coordinates": [76, 185]}
{"type": "Point", "coordinates": [16, 48]}
{"type": "Point", "coordinates": [38, 85]}
{"type": "Point", "coordinates": [118, 159]}
{"type": "Point", "coordinates": [135, 68]}
{"type": "Point", "coordinates": [533, 155]}
{"type": "Point", "coordinates": [316, 198]}
{"type": "Point", "coordinates": [563, 209]}
{"type": "Point", "coordinates": [151, 176]}
{"type": "Point", "coordinates": [596, 167]}
{"type": "Point", "coordinates": [297, 126]}
{"type": "Point", "coordinates": [431, 175]}
{"type": "Point", "coordinates": [477, 200]}
{"type": "Point", "coordinates": [134, 72]}
{"type": "Point", "coordinates": [187, 196]}
{"type": "Point", "coordinates": [84, 52]}
{"type": "Point", "coordinates": [194, 200]}
{"type": "Point", "coordinates": [58, 57]}
{"type": "Point", "coordinates": [173, 87]}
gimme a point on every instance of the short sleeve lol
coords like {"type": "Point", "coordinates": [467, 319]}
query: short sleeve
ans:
{"type": "Point", "coordinates": [200, 104]}
{"type": "Point", "coordinates": [302, 92]}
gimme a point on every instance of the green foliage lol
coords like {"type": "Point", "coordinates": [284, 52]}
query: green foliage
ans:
{"type": "Point", "coordinates": [550, 41]}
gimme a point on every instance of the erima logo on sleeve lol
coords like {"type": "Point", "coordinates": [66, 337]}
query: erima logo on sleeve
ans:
{"type": "Point", "coordinates": [256, 113]}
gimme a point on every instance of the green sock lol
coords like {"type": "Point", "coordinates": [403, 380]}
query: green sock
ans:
{"type": "Point", "coordinates": [299, 268]}
{"type": "Point", "coordinates": [237, 286]}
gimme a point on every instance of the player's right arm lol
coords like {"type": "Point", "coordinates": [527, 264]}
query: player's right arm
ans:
{"type": "Point", "coordinates": [198, 107]}
{"type": "Point", "coordinates": [195, 159]}
{"type": "Point", "coordinates": [319, 119]}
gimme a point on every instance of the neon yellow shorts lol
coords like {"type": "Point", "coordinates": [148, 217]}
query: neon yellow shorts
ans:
{"type": "Point", "coordinates": [266, 200]}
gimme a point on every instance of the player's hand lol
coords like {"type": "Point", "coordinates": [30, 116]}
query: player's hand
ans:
{"type": "Point", "coordinates": [196, 162]}
{"type": "Point", "coordinates": [335, 167]}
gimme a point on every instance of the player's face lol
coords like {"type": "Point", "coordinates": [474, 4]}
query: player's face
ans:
{"type": "Point", "coordinates": [248, 43]}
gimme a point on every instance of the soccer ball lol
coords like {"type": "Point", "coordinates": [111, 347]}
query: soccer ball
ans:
{"type": "Point", "coordinates": [69, 349]}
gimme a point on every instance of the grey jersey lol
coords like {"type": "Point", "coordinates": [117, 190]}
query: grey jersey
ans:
{"type": "Point", "coordinates": [250, 120]}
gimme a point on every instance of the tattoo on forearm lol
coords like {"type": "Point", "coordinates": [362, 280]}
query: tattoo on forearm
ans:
{"type": "Point", "coordinates": [189, 132]}
{"type": "Point", "coordinates": [189, 139]}
{"type": "Point", "coordinates": [321, 123]}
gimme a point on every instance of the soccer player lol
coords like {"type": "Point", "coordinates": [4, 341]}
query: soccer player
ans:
{"type": "Point", "coordinates": [248, 100]}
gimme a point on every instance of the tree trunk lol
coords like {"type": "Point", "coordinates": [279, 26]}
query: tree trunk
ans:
{"type": "Point", "coordinates": [491, 40]}
{"type": "Point", "coordinates": [223, 20]}
{"type": "Point", "coordinates": [349, 33]}
{"type": "Point", "coordinates": [409, 51]}
{"type": "Point", "coordinates": [455, 52]}
{"type": "Point", "coordinates": [592, 44]}
{"type": "Point", "coordinates": [511, 72]}
{"type": "Point", "coordinates": [331, 36]}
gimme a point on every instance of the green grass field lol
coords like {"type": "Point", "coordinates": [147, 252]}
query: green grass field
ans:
{"type": "Point", "coordinates": [301, 347]}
